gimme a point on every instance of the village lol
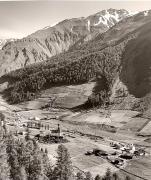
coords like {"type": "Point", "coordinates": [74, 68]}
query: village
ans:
{"type": "Point", "coordinates": [104, 152]}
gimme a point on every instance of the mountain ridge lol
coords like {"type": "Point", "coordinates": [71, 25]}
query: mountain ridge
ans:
{"type": "Point", "coordinates": [43, 44]}
{"type": "Point", "coordinates": [4, 41]}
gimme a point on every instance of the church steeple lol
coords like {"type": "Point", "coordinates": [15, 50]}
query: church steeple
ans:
{"type": "Point", "coordinates": [59, 131]}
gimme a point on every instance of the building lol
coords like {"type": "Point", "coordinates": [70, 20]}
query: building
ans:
{"type": "Point", "coordinates": [56, 132]}
{"type": "Point", "coordinates": [33, 124]}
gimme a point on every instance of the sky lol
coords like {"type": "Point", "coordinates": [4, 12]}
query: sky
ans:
{"type": "Point", "coordinates": [21, 18]}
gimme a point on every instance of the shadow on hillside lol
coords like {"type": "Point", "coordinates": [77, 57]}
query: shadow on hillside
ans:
{"type": "Point", "coordinates": [101, 85]}
{"type": "Point", "coordinates": [136, 64]}
{"type": "Point", "coordinates": [82, 107]}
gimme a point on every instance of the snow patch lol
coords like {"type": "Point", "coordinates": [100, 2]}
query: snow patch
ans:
{"type": "Point", "coordinates": [88, 25]}
{"type": "Point", "coordinates": [108, 18]}
{"type": "Point", "coordinates": [100, 21]}
{"type": "Point", "coordinates": [146, 13]}
{"type": "Point", "coordinates": [46, 27]}
{"type": "Point", "coordinates": [132, 13]}
{"type": "Point", "coordinates": [54, 24]}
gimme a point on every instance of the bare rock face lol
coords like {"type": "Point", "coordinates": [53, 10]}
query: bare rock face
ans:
{"type": "Point", "coordinates": [2, 42]}
{"type": "Point", "coordinates": [50, 41]}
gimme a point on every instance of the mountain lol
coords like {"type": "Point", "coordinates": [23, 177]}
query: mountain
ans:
{"type": "Point", "coordinates": [117, 61]}
{"type": "Point", "coordinates": [4, 41]}
{"type": "Point", "coordinates": [50, 41]}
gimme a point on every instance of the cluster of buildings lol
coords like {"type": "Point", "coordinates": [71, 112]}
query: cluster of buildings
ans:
{"type": "Point", "coordinates": [122, 153]}
{"type": "Point", "coordinates": [123, 147]}
{"type": "Point", "coordinates": [126, 152]}
{"type": "Point", "coordinates": [128, 149]}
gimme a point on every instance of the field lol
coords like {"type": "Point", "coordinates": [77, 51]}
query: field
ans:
{"type": "Point", "coordinates": [140, 168]}
{"type": "Point", "coordinates": [65, 96]}
{"type": "Point", "coordinates": [134, 125]}
{"type": "Point", "coordinates": [85, 131]}
{"type": "Point", "coordinates": [116, 118]}
{"type": "Point", "coordinates": [77, 147]}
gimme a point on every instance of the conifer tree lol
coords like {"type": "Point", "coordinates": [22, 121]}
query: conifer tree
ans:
{"type": "Point", "coordinates": [46, 164]}
{"type": "Point", "coordinates": [23, 173]}
{"type": "Point", "coordinates": [63, 170]}
{"type": "Point", "coordinates": [4, 166]}
{"type": "Point", "coordinates": [98, 177]}
{"type": "Point", "coordinates": [49, 172]}
{"type": "Point", "coordinates": [32, 160]}
{"type": "Point", "coordinates": [88, 176]}
{"type": "Point", "coordinates": [26, 160]}
{"type": "Point", "coordinates": [27, 136]}
{"type": "Point", "coordinates": [115, 176]}
{"type": "Point", "coordinates": [36, 168]}
{"type": "Point", "coordinates": [2, 117]}
{"type": "Point", "coordinates": [79, 176]}
{"type": "Point", "coordinates": [46, 150]}
{"type": "Point", "coordinates": [108, 175]}
{"type": "Point", "coordinates": [20, 148]}
{"type": "Point", "coordinates": [128, 178]}
{"type": "Point", "coordinates": [13, 159]}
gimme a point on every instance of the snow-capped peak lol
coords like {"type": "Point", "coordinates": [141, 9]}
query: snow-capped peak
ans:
{"type": "Point", "coordinates": [132, 13]}
{"type": "Point", "coordinates": [109, 17]}
{"type": "Point", "coordinates": [88, 25]}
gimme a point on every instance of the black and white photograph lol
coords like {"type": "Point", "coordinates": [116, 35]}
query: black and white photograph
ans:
{"type": "Point", "coordinates": [75, 90]}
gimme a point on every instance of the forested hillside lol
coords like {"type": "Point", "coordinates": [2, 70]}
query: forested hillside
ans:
{"type": "Point", "coordinates": [104, 65]}
{"type": "Point", "coordinates": [100, 60]}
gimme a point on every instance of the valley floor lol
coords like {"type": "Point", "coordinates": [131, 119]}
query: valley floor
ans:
{"type": "Point", "coordinates": [84, 131]}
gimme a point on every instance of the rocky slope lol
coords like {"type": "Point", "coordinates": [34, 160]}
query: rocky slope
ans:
{"type": "Point", "coordinates": [43, 44]}
{"type": "Point", "coordinates": [4, 41]}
